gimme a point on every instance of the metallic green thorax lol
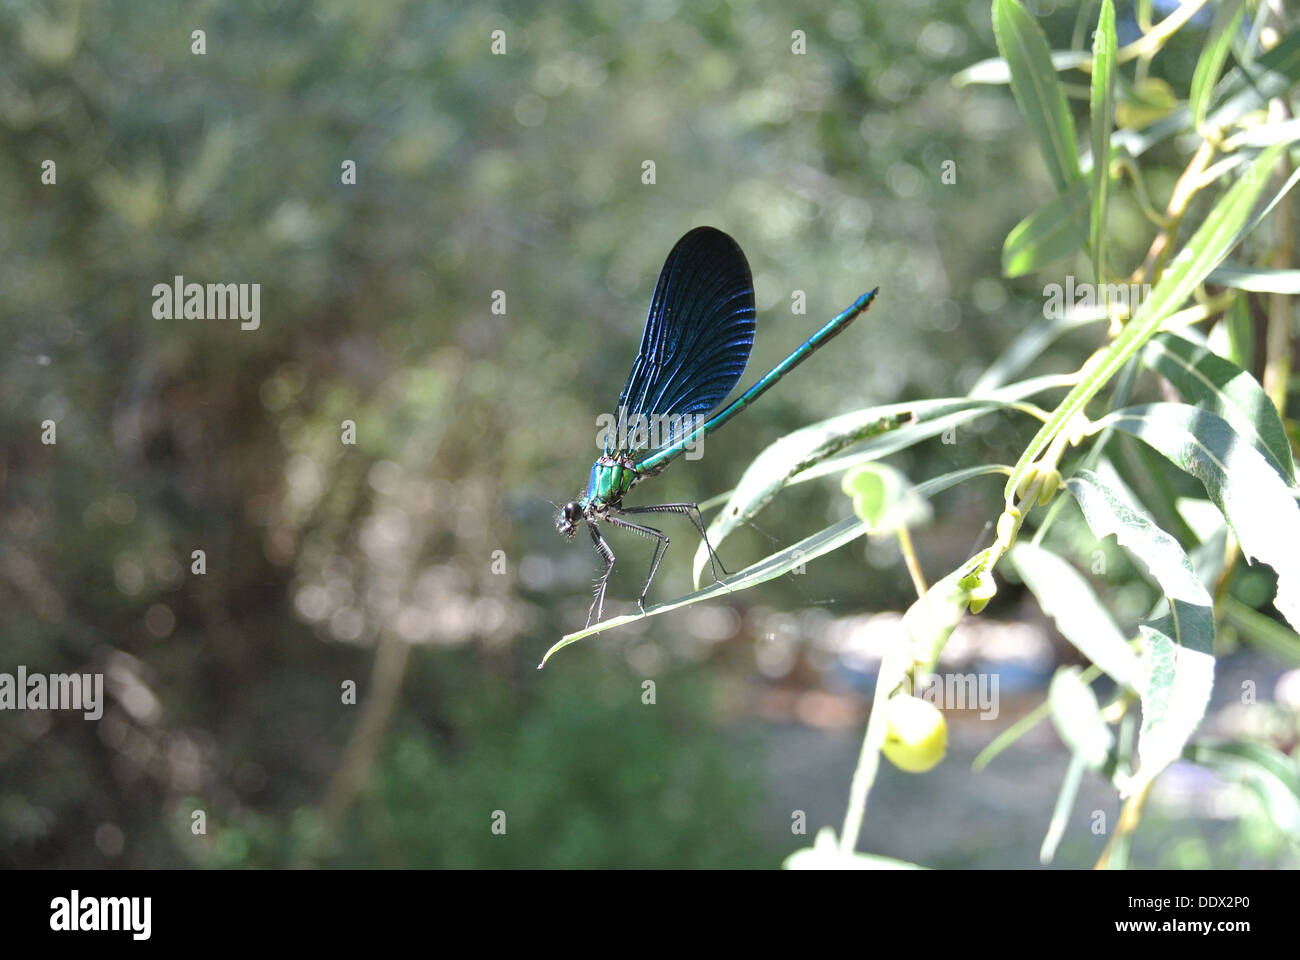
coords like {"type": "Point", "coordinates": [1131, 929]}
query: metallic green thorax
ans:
{"type": "Point", "coordinates": [611, 478]}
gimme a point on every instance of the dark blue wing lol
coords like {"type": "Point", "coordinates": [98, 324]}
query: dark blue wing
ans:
{"type": "Point", "coordinates": [697, 339]}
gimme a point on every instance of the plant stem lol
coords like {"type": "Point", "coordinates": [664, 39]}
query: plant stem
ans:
{"type": "Point", "coordinates": [1022, 726]}
{"type": "Point", "coordinates": [1277, 365]}
{"type": "Point", "coordinates": [1129, 818]}
{"type": "Point", "coordinates": [1140, 192]}
{"type": "Point", "coordinates": [909, 557]}
{"type": "Point", "coordinates": [1149, 43]}
{"type": "Point", "coordinates": [1188, 183]}
{"type": "Point", "coordinates": [893, 667]}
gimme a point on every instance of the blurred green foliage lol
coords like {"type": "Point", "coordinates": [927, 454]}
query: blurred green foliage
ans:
{"type": "Point", "coordinates": [475, 173]}
{"type": "Point", "coordinates": [568, 780]}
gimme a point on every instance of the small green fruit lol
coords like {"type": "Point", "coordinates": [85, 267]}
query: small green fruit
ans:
{"type": "Point", "coordinates": [917, 736]}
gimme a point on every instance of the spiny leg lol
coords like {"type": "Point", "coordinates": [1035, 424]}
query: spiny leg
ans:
{"type": "Point", "coordinates": [691, 510]}
{"type": "Point", "coordinates": [598, 602]}
{"type": "Point", "coordinates": [660, 549]}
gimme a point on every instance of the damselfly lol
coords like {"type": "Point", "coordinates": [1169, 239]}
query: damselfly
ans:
{"type": "Point", "coordinates": [697, 339]}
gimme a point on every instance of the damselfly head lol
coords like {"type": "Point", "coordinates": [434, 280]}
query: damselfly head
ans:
{"type": "Point", "coordinates": [569, 518]}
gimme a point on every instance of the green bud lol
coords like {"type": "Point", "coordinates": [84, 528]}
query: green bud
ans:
{"type": "Point", "coordinates": [1051, 483]}
{"type": "Point", "coordinates": [1026, 481]}
{"type": "Point", "coordinates": [1007, 526]}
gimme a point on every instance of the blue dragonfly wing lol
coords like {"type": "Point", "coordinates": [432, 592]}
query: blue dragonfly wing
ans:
{"type": "Point", "coordinates": [698, 336]}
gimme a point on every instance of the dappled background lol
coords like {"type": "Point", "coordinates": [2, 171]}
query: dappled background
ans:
{"type": "Point", "coordinates": [421, 563]}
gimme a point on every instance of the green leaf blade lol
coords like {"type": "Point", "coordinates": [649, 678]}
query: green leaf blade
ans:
{"type": "Point", "coordinates": [1213, 56]}
{"type": "Point", "coordinates": [1270, 774]}
{"type": "Point", "coordinates": [874, 432]}
{"type": "Point", "coordinates": [1255, 500]}
{"type": "Point", "coordinates": [1101, 120]}
{"type": "Point", "coordinates": [1077, 717]}
{"type": "Point", "coordinates": [769, 568]}
{"type": "Point", "coordinates": [1037, 89]}
{"type": "Point", "coordinates": [1107, 512]}
{"type": "Point", "coordinates": [994, 71]}
{"type": "Point", "coordinates": [1055, 230]}
{"type": "Point", "coordinates": [1178, 651]}
{"type": "Point", "coordinates": [1204, 377]}
{"type": "Point", "coordinates": [1262, 631]}
{"type": "Point", "coordinates": [1256, 279]}
{"type": "Point", "coordinates": [1079, 615]}
{"type": "Point", "coordinates": [1179, 682]}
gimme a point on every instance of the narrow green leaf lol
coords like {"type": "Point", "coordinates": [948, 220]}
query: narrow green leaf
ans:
{"type": "Point", "coordinates": [912, 434]}
{"type": "Point", "coordinates": [1203, 377]}
{"type": "Point", "coordinates": [1077, 718]}
{"type": "Point", "coordinates": [769, 568]}
{"type": "Point", "coordinates": [1178, 652]}
{"type": "Point", "coordinates": [1242, 90]}
{"type": "Point", "coordinates": [1240, 329]}
{"type": "Point", "coordinates": [1256, 501]}
{"type": "Point", "coordinates": [1249, 88]}
{"type": "Point", "coordinates": [1109, 511]}
{"type": "Point", "coordinates": [1257, 279]}
{"type": "Point", "coordinates": [1262, 631]}
{"type": "Point", "coordinates": [1055, 230]}
{"type": "Point", "coordinates": [1211, 529]}
{"type": "Point", "coordinates": [1270, 774]}
{"type": "Point", "coordinates": [1215, 53]}
{"type": "Point", "coordinates": [928, 488]}
{"type": "Point", "coordinates": [1144, 476]}
{"type": "Point", "coordinates": [1027, 346]}
{"type": "Point", "coordinates": [1037, 89]}
{"type": "Point", "coordinates": [995, 70]}
{"type": "Point", "coordinates": [1065, 801]}
{"type": "Point", "coordinates": [1179, 681]}
{"type": "Point", "coordinates": [1102, 107]}
{"type": "Point", "coordinates": [796, 453]}
{"type": "Point", "coordinates": [1010, 735]}
{"type": "Point", "coordinates": [1264, 211]}
{"type": "Point", "coordinates": [1264, 135]}
{"type": "Point", "coordinates": [874, 432]}
{"type": "Point", "coordinates": [1218, 234]}
{"type": "Point", "coordinates": [1070, 601]}
{"type": "Point", "coordinates": [791, 455]}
